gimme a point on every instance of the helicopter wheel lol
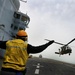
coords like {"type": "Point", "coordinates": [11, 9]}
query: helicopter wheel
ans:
{"type": "Point", "coordinates": [69, 53]}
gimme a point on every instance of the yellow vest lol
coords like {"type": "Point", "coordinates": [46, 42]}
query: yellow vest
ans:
{"type": "Point", "coordinates": [16, 55]}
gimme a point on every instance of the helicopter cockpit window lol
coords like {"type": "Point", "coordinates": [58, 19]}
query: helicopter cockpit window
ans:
{"type": "Point", "coordinates": [17, 15]}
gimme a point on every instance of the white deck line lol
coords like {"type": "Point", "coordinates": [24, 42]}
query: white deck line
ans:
{"type": "Point", "coordinates": [37, 71]}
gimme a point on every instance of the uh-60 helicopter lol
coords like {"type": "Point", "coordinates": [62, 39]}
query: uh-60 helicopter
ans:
{"type": "Point", "coordinates": [65, 49]}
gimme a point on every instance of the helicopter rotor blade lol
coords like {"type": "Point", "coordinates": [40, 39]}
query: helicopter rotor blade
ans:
{"type": "Point", "coordinates": [55, 42]}
{"type": "Point", "coordinates": [61, 43]}
{"type": "Point", "coordinates": [70, 42]}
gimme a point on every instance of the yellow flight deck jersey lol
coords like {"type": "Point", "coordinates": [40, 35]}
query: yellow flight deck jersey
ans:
{"type": "Point", "coordinates": [16, 55]}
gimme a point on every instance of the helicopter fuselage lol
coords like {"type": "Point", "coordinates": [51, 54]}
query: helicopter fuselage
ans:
{"type": "Point", "coordinates": [64, 50]}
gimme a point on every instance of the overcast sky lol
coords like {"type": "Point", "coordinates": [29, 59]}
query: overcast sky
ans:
{"type": "Point", "coordinates": [54, 20]}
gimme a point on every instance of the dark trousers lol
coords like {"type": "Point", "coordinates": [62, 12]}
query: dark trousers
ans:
{"type": "Point", "coordinates": [8, 72]}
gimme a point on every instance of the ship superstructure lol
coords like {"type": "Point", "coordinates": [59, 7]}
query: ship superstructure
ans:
{"type": "Point", "coordinates": [11, 20]}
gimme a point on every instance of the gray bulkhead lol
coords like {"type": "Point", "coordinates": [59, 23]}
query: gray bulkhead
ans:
{"type": "Point", "coordinates": [7, 9]}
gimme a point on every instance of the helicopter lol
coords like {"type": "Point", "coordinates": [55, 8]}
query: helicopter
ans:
{"type": "Point", "coordinates": [65, 49]}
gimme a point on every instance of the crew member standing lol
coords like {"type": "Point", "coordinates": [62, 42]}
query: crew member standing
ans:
{"type": "Point", "coordinates": [17, 53]}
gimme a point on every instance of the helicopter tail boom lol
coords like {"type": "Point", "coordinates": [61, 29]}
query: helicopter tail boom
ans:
{"type": "Point", "coordinates": [57, 53]}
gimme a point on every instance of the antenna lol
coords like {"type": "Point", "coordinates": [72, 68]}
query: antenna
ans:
{"type": "Point", "coordinates": [25, 1]}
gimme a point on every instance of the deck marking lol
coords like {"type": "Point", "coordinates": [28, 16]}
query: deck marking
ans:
{"type": "Point", "coordinates": [37, 71]}
{"type": "Point", "coordinates": [38, 66]}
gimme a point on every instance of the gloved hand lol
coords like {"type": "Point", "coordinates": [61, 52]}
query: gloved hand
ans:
{"type": "Point", "coordinates": [51, 41]}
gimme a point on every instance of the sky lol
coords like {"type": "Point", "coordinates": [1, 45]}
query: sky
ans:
{"type": "Point", "coordinates": [53, 20]}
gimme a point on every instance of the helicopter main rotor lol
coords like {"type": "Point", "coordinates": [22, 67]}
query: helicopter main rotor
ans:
{"type": "Point", "coordinates": [61, 43]}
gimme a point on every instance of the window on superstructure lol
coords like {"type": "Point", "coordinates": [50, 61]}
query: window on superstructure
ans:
{"type": "Point", "coordinates": [17, 15]}
{"type": "Point", "coordinates": [11, 25]}
{"type": "Point", "coordinates": [21, 28]}
{"type": "Point", "coordinates": [15, 27]}
{"type": "Point", "coordinates": [24, 19]}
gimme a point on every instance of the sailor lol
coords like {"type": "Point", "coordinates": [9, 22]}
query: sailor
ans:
{"type": "Point", "coordinates": [17, 53]}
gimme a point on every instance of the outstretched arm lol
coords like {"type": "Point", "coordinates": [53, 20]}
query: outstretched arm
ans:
{"type": "Point", "coordinates": [37, 49]}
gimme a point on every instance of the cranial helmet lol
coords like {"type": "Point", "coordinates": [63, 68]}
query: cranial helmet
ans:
{"type": "Point", "coordinates": [22, 33]}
